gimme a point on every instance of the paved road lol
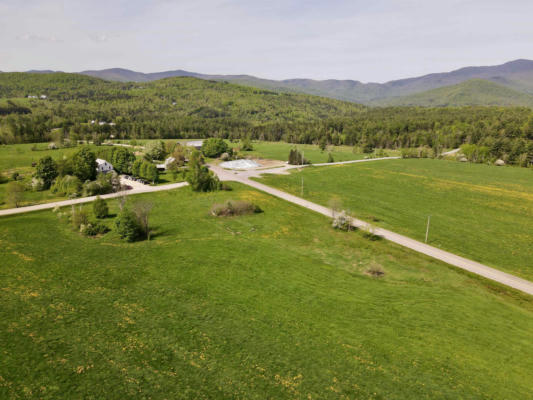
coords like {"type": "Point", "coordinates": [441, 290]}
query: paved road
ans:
{"type": "Point", "coordinates": [283, 170]}
{"type": "Point", "coordinates": [449, 258]}
{"type": "Point", "coordinates": [138, 188]}
{"type": "Point", "coordinates": [451, 152]}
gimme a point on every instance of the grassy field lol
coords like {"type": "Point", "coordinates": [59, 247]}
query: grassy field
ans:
{"type": "Point", "coordinates": [280, 151]}
{"type": "Point", "coordinates": [17, 156]}
{"type": "Point", "coordinates": [482, 212]}
{"type": "Point", "coordinates": [272, 305]}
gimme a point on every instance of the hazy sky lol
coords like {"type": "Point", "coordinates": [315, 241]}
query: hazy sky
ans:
{"type": "Point", "coordinates": [370, 40]}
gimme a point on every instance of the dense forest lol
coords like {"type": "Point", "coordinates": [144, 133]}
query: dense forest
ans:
{"type": "Point", "coordinates": [77, 107]}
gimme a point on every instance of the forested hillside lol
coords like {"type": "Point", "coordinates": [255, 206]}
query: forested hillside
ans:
{"type": "Point", "coordinates": [472, 92]}
{"type": "Point", "coordinates": [186, 107]}
{"type": "Point", "coordinates": [516, 75]}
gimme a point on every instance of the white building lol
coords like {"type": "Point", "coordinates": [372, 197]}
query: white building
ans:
{"type": "Point", "coordinates": [165, 165]}
{"type": "Point", "coordinates": [197, 144]}
{"type": "Point", "coordinates": [43, 97]}
{"type": "Point", "coordinates": [102, 166]}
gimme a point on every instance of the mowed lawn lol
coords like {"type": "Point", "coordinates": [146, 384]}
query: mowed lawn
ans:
{"type": "Point", "coordinates": [481, 212]}
{"type": "Point", "coordinates": [273, 305]}
{"type": "Point", "coordinates": [280, 151]}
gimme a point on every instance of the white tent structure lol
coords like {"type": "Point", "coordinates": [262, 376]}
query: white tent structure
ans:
{"type": "Point", "coordinates": [240, 164]}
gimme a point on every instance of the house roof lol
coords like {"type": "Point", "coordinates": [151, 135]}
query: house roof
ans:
{"type": "Point", "coordinates": [99, 161]}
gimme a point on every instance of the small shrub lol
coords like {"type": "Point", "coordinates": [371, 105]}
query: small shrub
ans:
{"type": "Point", "coordinates": [127, 226]}
{"type": "Point", "coordinates": [3, 179]}
{"type": "Point", "coordinates": [418, 152]}
{"type": "Point", "coordinates": [330, 158]}
{"type": "Point", "coordinates": [67, 185]}
{"type": "Point", "coordinates": [15, 176]}
{"type": "Point", "coordinates": [369, 232]}
{"type": "Point", "coordinates": [297, 158]}
{"type": "Point", "coordinates": [246, 144]}
{"type": "Point", "coordinates": [37, 184]}
{"type": "Point", "coordinates": [94, 229]}
{"type": "Point", "coordinates": [375, 270]}
{"type": "Point", "coordinates": [234, 207]}
{"type": "Point", "coordinates": [15, 193]}
{"type": "Point", "coordinates": [102, 185]}
{"type": "Point", "coordinates": [100, 208]}
{"type": "Point", "coordinates": [368, 148]}
{"type": "Point", "coordinates": [342, 222]}
{"type": "Point", "coordinates": [78, 218]}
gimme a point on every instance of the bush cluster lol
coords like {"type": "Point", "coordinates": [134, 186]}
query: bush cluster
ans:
{"type": "Point", "coordinates": [418, 152]}
{"type": "Point", "coordinates": [146, 170]}
{"type": "Point", "coordinates": [94, 229]}
{"type": "Point", "coordinates": [234, 207]}
{"type": "Point", "coordinates": [342, 221]}
{"type": "Point", "coordinates": [214, 147]}
{"type": "Point", "coordinates": [296, 158]}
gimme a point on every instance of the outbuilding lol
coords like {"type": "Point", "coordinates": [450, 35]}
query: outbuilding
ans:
{"type": "Point", "coordinates": [197, 144]}
{"type": "Point", "coordinates": [166, 164]}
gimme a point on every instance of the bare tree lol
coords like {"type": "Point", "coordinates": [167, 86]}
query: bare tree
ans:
{"type": "Point", "coordinates": [15, 193]}
{"type": "Point", "coordinates": [142, 210]}
{"type": "Point", "coordinates": [121, 200]}
{"type": "Point", "coordinates": [335, 203]}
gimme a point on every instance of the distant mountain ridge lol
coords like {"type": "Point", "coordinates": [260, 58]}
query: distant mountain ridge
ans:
{"type": "Point", "coordinates": [516, 75]}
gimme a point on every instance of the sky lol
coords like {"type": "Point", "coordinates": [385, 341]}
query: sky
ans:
{"type": "Point", "coordinates": [365, 40]}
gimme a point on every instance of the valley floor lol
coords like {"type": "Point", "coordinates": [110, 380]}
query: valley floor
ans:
{"type": "Point", "coordinates": [261, 306]}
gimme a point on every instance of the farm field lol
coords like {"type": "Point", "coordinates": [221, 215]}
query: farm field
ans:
{"type": "Point", "coordinates": [280, 151]}
{"type": "Point", "coordinates": [482, 212]}
{"type": "Point", "coordinates": [16, 156]}
{"type": "Point", "coordinates": [271, 305]}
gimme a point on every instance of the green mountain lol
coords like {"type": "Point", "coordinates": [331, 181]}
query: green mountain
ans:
{"type": "Point", "coordinates": [472, 92]}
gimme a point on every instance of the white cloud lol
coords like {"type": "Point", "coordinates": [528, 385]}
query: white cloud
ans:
{"type": "Point", "coordinates": [38, 38]}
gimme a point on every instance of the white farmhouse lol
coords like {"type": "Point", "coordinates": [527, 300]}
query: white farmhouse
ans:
{"type": "Point", "coordinates": [102, 166]}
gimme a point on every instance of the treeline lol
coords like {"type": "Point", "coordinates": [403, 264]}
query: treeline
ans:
{"type": "Point", "coordinates": [188, 107]}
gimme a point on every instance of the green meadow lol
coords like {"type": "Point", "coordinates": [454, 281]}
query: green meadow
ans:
{"type": "Point", "coordinates": [271, 305]}
{"type": "Point", "coordinates": [481, 212]}
{"type": "Point", "coordinates": [21, 156]}
{"type": "Point", "coordinates": [280, 151]}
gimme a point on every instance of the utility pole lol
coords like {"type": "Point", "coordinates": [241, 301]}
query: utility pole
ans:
{"type": "Point", "coordinates": [427, 228]}
{"type": "Point", "coordinates": [302, 174]}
